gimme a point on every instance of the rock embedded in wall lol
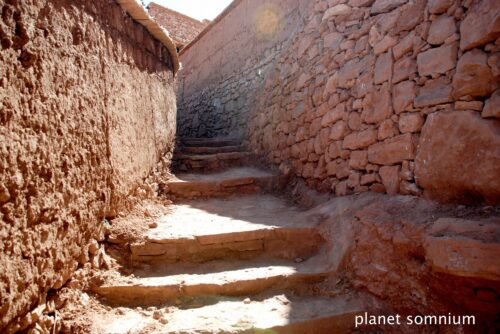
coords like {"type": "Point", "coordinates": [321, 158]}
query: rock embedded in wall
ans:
{"type": "Point", "coordinates": [383, 6]}
{"type": "Point", "coordinates": [403, 95]}
{"type": "Point", "coordinates": [410, 15]}
{"type": "Point", "coordinates": [405, 45]}
{"type": "Point", "coordinates": [439, 6]}
{"type": "Point", "coordinates": [437, 60]}
{"type": "Point", "coordinates": [405, 68]}
{"type": "Point", "coordinates": [381, 108]}
{"type": "Point", "coordinates": [390, 179]}
{"type": "Point", "coordinates": [383, 68]}
{"type": "Point", "coordinates": [473, 75]}
{"type": "Point", "coordinates": [492, 106]}
{"type": "Point", "coordinates": [434, 92]}
{"type": "Point", "coordinates": [441, 29]}
{"type": "Point", "coordinates": [387, 129]}
{"type": "Point", "coordinates": [411, 122]}
{"type": "Point", "coordinates": [393, 150]}
{"type": "Point", "coordinates": [458, 157]}
{"type": "Point", "coordinates": [481, 24]}
{"type": "Point", "coordinates": [361, 139]}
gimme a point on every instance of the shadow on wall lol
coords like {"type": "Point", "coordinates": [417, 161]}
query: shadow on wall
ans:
{"type": "Point", "coordinates": [228, 62]}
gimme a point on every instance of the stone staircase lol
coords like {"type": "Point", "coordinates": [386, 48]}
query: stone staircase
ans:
{"type": "Point", "coordinates": [206, 155]}
{"type": "Point", "coordinates": [231, 255]}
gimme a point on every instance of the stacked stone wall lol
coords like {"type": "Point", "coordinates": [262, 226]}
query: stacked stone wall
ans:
{"type": "Point", "coordinates": [388, 96]}
{"type": "Point", "coordinates": [222, 70]}
{"type": "Point", "coordinates": [87, 107]}
{"type": "Point", "coordinates": [222, 110]}
{"type": "Point", "coordinates": [358, 95]}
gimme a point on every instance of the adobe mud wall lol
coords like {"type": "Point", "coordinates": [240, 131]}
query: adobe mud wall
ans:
{"type": "Point", "coordinates": [387, 96]}
{"type": "Point", "coordinates": [222, 69]}
{"type": "Point", "coordinates": [87, 108]}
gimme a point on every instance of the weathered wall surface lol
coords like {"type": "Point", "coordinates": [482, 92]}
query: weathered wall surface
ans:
{"type": "Point", "coordinates": [360, 95]}
{"type": "Point", "coordinates": [388, 96]}
{"type": "Point", "coordinates": [86, 107]}
{"type": "Point", "coordinates": [223, 68]}
{"type": "Point", "coordinates": [182, 29]}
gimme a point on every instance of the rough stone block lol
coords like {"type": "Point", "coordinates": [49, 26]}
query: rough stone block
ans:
{"type": "Point", "coordinates": [404, 46]}
{"type": "Point", "coordinates": [410, 122]}
{"type": "Point", "coordinates": [384, 6]}
{"type": "Point", "coordinates": [492, 106]}
{"type": "Point", "coordinates": [369, 179]}
{"type": "Point", "coordinates": [338, 130]}
{"type": "Point", "coordinates": [473, 75]}
{"type": "Point", "coordinates": [481, 25]}
{"type": "Point", "coordinates": [434, 92]}
{"type": "Point", "coordinates": [385, 44]}
{"type": "Point", "coordinates": [462, 256]}
{"type": "Point", "coordinates": [333, 40]}
{"type": "Point", "coordinates": [341, 9]}
{"type": "Point", "coordinates": [341, 188]}
{"type": "Point", "coordinates": [494, 64]}
{"type": "Point", "coordinates": [358, 160]}
{"type": "Point", "coordinates": [390, 178]}
{"type": "Point", "coordinates": [353, 180]}
{"type": "Point", "coordinates": [441, 28]}
{"type": "Point", "coordinates": [387, 129]}
{"type": "Point", "coordinates": [404, 68]}
{"type": "Point", "coordinates": [359, 140]}
{"type": "Point", "coordinates": [338, 168]}
{"type": "Point", "coordinates": [458, 157]}
{"type": "Point", "coordinates": [469, 105]}
{"type": "Point", "coordinates": [304, 45]}
{"type": "Point", "coordinates": [361, 3]}
{"type": "Point", "coordinates": [334, 150]}
{"type": "Point", "coordinates": [352, 69]}
{"type": "Point", "coordinates": [382, 107]}
{"type": "Point", "coordinates": [438, 60]}
{"type": "Point", "coordinates": [439, 6]}
{"type": "Point", "coordinates": [383, 68]}
{"type": "Point", "coordinates": [403, 95]}
{"type": "Point", "coordinates": [333, 115]}
{"type": "Point", "coordinates": [354, 121]}
{"type": "Point", "coordinates": [393, 151]}
{"type": "Point", "coordinates": [410, 15]}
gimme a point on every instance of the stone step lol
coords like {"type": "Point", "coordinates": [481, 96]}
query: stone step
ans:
{"type": "Point", "coordinates": [211, 150]}
{"type": "Point", "coordinates": [209, 142]}
{"type": "Point", "coordinates": [240, 227]}
{"type": "Point", "coordinates": [241, 180]}
{"type": "Point", "coordinates": [281, 314]}
{"type": "Point", "coordinates": [210, 162]}
{"type": "Point", "coordinates": [465, 248]}
{"type": "Point", "coordinates": [216, 278]}
{"type": "Point", "coordinates": [278, 314]}
{"type": "Point", "coordinates": [210, 157]}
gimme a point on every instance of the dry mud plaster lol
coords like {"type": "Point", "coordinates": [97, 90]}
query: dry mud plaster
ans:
{"type": "Point", "coordinates": [87, 107]}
